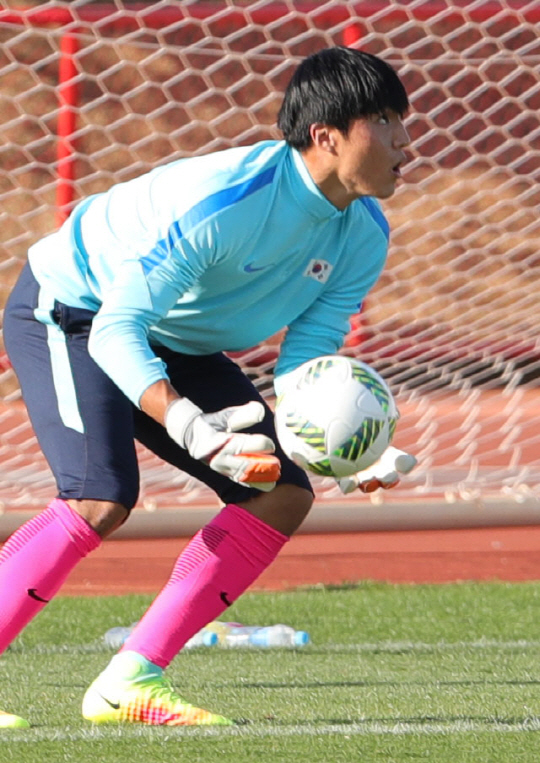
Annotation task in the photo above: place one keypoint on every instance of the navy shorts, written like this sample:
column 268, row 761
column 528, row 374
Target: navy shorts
column 87, row 427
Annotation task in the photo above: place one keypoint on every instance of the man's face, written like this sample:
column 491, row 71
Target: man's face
column 369, row 157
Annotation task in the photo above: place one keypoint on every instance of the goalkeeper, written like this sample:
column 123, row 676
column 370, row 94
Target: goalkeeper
column 117, row 328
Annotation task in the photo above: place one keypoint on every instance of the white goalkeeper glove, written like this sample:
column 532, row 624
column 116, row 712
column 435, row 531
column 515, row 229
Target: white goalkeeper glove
column 209, row 437
column 384, row 473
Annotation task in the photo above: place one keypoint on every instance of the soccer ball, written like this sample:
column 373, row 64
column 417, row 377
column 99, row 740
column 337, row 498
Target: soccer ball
column 337, row 418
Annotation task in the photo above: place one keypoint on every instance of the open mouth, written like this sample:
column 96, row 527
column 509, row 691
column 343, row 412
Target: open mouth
column 396, row 169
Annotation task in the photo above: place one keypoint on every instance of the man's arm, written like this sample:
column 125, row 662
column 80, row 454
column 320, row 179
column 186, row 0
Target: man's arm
column 321, row 330
column 156, row 399
column 119, row 344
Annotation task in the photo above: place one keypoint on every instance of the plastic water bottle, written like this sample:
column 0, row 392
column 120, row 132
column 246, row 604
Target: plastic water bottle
column 222, row 629
column 268, row 636
column 225, row 634
column 278, row 635
column 237, row 635
column 116, row 637
column 202, row 638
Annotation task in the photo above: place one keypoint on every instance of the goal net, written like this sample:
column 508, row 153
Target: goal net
column 94, row 93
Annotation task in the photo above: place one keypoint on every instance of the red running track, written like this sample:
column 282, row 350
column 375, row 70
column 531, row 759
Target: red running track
column 426, row 556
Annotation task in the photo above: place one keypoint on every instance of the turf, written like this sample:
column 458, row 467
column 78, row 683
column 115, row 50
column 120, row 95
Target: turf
column 447, row 673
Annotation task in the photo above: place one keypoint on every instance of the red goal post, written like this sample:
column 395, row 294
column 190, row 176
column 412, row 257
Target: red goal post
column 93, row 93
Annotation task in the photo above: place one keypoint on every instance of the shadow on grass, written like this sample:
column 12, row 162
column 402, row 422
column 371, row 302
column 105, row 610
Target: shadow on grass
column 420, row 720
column 370, row 684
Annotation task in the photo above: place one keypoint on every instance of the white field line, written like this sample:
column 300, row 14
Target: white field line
column 380, row 646
column 423, row 646
column 369, row 728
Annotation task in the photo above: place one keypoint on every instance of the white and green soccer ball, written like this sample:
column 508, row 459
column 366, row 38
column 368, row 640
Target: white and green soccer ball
column 337, row 417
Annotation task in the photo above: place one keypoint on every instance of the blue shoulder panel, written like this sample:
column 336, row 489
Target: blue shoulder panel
column 375, row 212
column 202, row 211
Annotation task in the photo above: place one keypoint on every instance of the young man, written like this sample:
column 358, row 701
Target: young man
column 117, row 329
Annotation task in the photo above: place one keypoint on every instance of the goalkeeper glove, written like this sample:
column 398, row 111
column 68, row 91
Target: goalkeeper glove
column 209, row 437
column 384, row 473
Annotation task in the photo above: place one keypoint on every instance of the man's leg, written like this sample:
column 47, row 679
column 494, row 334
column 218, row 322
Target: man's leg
column 68, row 399
column 230, row 553
column 217, row 566
column 35, row 562
column 220, row 562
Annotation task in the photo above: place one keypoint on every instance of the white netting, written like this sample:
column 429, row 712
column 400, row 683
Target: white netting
column 453, row 323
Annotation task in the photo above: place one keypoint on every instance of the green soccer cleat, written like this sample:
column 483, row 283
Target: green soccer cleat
column 142, row 696
column 9, row 721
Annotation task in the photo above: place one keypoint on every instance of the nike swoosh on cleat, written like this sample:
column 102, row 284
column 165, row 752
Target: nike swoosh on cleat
column 32, row 592
column 114, row 705
column 224, row 596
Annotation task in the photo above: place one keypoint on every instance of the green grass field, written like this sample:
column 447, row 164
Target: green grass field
column 447, row 673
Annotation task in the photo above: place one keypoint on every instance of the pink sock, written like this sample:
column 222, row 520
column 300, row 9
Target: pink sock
column 216, row 567
column 36, row 560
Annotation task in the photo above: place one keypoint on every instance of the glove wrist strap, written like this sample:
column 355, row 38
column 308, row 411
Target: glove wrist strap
column 178, row 419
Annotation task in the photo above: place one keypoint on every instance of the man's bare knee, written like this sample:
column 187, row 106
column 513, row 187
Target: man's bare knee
column 284, row 508
column 103, row 516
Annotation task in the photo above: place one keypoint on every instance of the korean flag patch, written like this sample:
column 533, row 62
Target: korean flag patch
column 319, row 270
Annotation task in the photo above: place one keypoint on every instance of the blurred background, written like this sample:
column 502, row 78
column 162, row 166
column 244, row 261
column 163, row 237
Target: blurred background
column 93, row 93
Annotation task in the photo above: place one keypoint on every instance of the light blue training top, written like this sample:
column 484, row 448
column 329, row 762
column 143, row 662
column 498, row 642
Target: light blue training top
column 213, row 253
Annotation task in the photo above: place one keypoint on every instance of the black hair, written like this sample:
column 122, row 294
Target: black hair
column 335, row 86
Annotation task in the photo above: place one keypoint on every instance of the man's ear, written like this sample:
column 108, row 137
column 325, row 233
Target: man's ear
column 323, row 136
